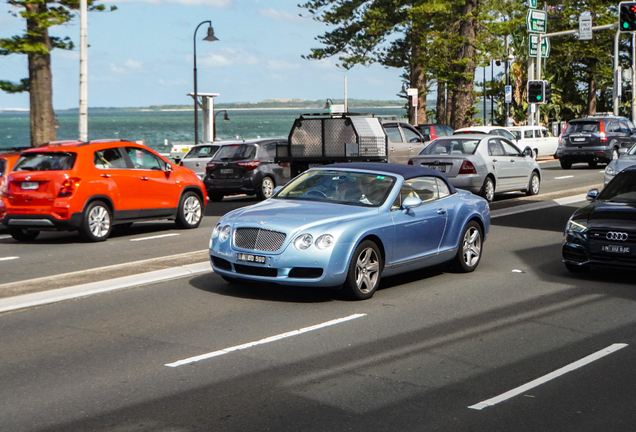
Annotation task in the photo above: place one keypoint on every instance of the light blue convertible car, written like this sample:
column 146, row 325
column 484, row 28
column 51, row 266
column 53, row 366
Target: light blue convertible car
column 346, row 225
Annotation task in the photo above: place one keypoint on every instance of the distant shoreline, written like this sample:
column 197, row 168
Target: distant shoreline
column 217, row 108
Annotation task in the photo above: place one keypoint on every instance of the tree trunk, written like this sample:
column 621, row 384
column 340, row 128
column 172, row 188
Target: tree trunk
column 42, row 116
column 440, row 108
column 591, row 90
column 418, row 80
column 464, row 67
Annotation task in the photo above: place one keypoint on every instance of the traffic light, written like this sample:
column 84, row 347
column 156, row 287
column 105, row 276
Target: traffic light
column 627, row 16
column 536, row 91
column 548, row 92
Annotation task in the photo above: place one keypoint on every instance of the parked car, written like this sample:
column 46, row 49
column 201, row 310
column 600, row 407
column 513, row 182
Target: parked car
column 8, row 158
column 92, row 186
column 617, row 165
column 594, row 139
column 483, row 164
column 198, row 157
column 245, row 167
column 347, row 225
column 492, row 130
column 537, row 138
column 431, row 131
column 179, row 149
column 602, row 232
column 404, row 140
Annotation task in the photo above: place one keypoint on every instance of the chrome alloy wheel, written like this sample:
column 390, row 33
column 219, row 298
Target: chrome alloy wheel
column 471, row 249
column 192, row 210
column 535, row 185
column 367, row 270
column 489, row 189
column 99, row 221
column 267, row 187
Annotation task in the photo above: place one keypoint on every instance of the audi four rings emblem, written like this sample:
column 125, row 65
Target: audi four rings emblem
column 616, row 236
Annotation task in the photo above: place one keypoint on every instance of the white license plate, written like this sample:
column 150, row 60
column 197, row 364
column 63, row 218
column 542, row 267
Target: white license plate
column 227, row 171
column 615, row 249
column 257, row 259
column 440, row 168
column 578, row 139
column 30, row 185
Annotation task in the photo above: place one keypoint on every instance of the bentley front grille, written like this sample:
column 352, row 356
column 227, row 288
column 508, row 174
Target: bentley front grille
column 259, row 239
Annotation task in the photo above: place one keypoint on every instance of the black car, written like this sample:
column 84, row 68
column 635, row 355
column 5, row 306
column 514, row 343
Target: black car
column 245, row 167
column 603, row 232
column 594, row 139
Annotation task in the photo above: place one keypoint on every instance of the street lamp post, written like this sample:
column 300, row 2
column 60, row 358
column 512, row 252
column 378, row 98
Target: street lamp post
column 225, row 118
column 210, row 38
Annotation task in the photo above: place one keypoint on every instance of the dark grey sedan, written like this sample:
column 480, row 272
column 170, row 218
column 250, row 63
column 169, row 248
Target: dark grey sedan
column 482, row 164
column 617, row 165
column 246, row 167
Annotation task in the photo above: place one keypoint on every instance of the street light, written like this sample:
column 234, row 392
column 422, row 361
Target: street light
column 225, row 118
column 328, row 103
column 210, row 38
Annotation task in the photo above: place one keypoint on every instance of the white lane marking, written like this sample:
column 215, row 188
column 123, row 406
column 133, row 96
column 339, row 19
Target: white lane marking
column 557, row 373
column 564, row 177
column 264, row 341
column 155, row 237
column 5, row 237
column 8, row 258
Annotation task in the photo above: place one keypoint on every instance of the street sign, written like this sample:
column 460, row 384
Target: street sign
column 536, row 21
column 508, row 93
column 533, row 41
column 585, row 26
column 532, row 4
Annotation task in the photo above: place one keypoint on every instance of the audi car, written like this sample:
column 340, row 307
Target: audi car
column 603, row 232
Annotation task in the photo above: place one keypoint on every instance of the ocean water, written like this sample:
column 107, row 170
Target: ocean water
column 155, row 127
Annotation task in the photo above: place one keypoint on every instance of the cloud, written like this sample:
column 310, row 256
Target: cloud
column 126, row 67
column 212, row 3
column 279, row 15
column 228, row 57
column 281, row 65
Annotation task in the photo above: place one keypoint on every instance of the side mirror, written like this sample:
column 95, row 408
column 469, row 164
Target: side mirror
column 527, row 151
column 592, row 194
column 622, row 151
column 168, row 167
column 411, row 202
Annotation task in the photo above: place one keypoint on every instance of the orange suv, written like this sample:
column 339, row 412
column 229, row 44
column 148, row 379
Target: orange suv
column 92, row 186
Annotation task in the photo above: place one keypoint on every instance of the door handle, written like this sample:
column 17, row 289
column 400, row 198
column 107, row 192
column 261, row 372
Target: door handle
column 145, row 178
column 441, row 211
column 105, row 175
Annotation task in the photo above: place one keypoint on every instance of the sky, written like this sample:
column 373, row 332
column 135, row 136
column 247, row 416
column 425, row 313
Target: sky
column 143, row 54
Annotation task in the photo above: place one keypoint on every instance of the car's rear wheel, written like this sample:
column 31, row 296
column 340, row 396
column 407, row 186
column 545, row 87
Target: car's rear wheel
column 365, row 270
column 266, row 189
column 21, row 234
column 565, row 164
column 592, row 164
column 470, row 247
column 96, row 222
column 535, row 184
column 488, row 189
column 190, row 212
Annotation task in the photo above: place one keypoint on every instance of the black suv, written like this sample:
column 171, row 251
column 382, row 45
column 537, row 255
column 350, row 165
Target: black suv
column 594, row 139
column 245, row 167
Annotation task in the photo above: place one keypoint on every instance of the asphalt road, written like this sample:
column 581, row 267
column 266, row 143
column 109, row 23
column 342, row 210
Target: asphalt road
column 521, row 344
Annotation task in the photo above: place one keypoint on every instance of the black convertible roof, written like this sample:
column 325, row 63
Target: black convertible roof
column 406, row 171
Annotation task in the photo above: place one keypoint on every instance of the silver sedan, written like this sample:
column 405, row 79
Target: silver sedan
column 483, row 164
column 617, row 165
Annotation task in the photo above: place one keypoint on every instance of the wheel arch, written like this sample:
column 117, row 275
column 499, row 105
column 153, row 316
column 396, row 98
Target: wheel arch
column 105, row 199
column 378, row 242
column 196, row 190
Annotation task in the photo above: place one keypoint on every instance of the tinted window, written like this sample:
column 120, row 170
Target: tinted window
column 611, row 127
column 451, row 146
column 143, row 159
column 621, row 189
column 109, row 159
column 270, row 149
column 3, row 166
column 623, row 127
column 411, row 135
column 393, row 133
column 51, row 161
column 582, row 126
column 545, row 133
column 236, row 152
column 202, row 152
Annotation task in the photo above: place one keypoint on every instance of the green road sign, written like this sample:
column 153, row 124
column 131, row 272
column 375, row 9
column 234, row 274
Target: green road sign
column 536, row 21
column 533, row 40
column 532, row 4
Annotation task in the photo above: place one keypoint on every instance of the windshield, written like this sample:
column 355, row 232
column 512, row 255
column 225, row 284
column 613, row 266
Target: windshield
column 516, row 133
column 202, row 152
column 342, row 187
column 236, row 152
column 51, row 161
column 620, row 190
column 632, row 151
column 582, row 127
column 456, row 146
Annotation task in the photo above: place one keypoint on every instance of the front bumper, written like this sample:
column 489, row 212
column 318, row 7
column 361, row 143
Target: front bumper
column 578, row 250
column 584, row 154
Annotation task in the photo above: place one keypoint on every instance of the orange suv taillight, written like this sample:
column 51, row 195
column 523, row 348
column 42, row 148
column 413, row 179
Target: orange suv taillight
column 603, row 135
column 68, row 187
column 250, row 165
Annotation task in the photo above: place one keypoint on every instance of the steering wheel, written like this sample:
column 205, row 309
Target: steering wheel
column 316, row 192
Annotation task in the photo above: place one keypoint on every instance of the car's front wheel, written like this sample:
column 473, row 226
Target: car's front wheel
column 96, row 222
column 470, row 248
column 266, row 189
column 488, row 189
column 190, row 211
column 535, row 184
column 365, row 270
column 21, row 234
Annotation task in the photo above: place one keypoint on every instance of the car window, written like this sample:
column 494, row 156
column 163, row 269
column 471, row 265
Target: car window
column 3, row 166
column 426, row 130
column 528, row 134
column 270, row 149
column 621, row 189
column 506, row 134
column 494, row 148
column 582, row 126
column 611, row 127
column 517, row 134
column 451, row 146
column 46, row 161
column 545, row 133
column 510, row 149
column 144, row 160
column 411, row 135
column 393, row 133
column 424, row 188
column 442, row 188
column 236, row 152
column 446, row 130
column 202, row 152
column 109, row 159
column 623, row 127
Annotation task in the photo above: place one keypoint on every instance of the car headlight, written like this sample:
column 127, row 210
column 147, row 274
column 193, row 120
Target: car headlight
column 576, row 226
column 216, row 231
column 303, row 241
column 324, row 241
column 610, row 171
column 225, row 233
